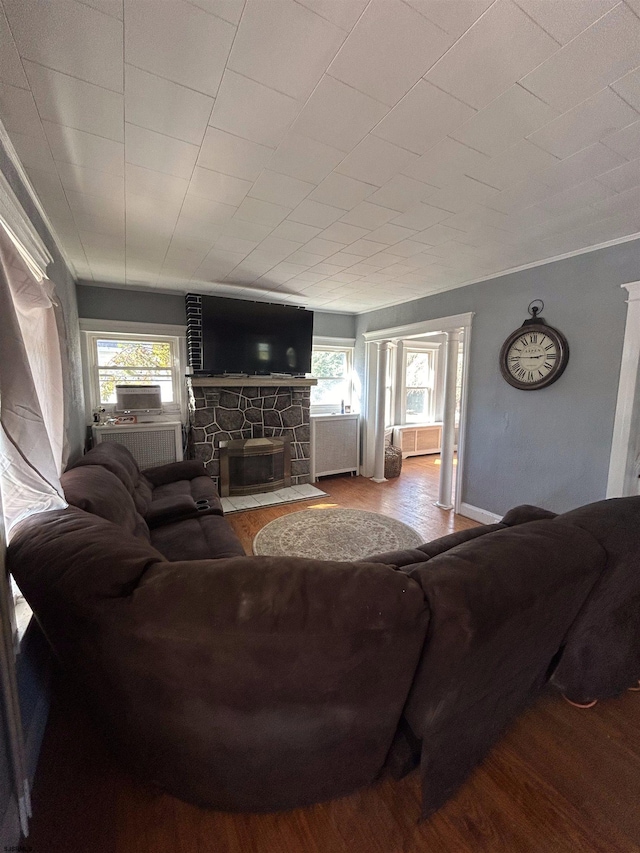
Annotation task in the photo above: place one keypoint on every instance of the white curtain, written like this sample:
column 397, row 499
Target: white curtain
column 31, row 390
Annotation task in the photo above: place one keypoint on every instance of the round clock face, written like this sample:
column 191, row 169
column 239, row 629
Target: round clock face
column 534, row 356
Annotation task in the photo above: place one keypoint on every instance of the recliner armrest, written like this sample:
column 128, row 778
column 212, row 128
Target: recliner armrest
column 163, row 474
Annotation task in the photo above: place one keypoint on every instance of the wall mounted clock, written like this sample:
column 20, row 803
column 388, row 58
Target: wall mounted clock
column 535, row 355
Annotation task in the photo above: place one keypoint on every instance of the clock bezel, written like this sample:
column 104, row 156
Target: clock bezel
column 561, row 362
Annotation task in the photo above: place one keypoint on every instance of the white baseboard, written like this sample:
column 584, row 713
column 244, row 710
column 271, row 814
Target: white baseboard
column 477, row 514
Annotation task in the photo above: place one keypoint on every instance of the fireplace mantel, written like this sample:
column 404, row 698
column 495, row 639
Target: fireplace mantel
column 250, row 382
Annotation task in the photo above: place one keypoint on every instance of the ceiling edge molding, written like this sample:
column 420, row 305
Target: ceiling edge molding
column 617, row 242
column 15, row 161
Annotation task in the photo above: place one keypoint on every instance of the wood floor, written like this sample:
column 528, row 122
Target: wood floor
column 561, row 780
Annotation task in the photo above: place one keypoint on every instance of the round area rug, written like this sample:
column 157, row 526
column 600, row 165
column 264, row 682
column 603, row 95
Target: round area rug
column 333, row 534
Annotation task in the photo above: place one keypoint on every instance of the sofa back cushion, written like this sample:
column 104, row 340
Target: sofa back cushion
column 116, row 459
column 96, row 490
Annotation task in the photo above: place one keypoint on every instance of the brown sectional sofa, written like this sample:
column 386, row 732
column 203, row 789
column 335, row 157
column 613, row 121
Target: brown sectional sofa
column 256, row 683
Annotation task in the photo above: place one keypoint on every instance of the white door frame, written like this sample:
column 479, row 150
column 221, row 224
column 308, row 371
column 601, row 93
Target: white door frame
column 623, row 473
column 394, row 334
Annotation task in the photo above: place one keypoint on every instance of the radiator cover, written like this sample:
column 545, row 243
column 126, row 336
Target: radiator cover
column 149, row 444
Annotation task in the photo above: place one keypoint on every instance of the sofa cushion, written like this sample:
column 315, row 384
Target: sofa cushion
column 524, row 513
column 410, row 556
column 197, row 489
column 185, row 470
column 116, row 459
column 96, row 490
column 253, row 683
column 201, row 538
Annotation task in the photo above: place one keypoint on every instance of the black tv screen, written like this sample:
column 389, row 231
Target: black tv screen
column 255, row 337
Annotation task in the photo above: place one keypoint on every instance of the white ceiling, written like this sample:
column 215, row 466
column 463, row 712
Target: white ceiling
column 340, row 154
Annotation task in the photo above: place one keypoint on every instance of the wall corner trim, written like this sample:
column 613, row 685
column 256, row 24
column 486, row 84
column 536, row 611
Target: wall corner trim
column 477, row 514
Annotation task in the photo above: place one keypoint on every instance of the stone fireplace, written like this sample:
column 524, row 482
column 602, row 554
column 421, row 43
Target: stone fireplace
column 223, row 410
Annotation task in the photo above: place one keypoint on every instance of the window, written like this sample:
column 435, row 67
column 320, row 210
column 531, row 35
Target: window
column 420, row 380
column 331, row 366
column 119, row 358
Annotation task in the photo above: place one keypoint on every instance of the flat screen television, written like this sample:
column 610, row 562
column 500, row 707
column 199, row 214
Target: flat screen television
column 255, row 337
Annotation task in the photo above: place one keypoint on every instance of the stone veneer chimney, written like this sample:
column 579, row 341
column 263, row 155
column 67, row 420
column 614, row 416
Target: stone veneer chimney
column 234, row 412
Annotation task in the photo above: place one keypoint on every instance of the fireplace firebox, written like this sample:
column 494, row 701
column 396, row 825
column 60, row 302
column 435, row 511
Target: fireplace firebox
column 253, row 465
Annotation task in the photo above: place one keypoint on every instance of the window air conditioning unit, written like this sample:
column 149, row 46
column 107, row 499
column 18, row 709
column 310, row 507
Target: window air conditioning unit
column 139, row 398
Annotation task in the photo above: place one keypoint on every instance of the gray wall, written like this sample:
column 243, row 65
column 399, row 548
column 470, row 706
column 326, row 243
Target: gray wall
column 549, row 447
column 147, row 306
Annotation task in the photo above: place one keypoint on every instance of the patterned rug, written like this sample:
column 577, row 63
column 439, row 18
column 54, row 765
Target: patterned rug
column 333, row 534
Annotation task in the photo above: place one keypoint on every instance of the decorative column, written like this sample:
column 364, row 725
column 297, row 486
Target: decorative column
column 381, row 388
column 448, row 421
column 623, row 463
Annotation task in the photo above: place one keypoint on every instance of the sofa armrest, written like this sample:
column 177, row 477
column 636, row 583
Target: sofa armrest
column 163, row 474
column 168, row 510
column 501, row 608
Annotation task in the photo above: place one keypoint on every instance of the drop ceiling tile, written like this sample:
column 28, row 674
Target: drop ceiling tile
column 595, row 58
column 178, row 41
column 341, row 191
column 64, row 100
column 343, row 233
column 626, row 141
column 34, row 152
column 564, row 21
column 327, row 269
column 228, row 10
column 295, row 231
column 513, row 165
column 591, row 121
column 262, row 212
column 49, row 190
column 280, row 189
column 218, row 187
column 423, row 117
column 250, row 110
column 284, row 46
column 69, row 37
column 343, row 260
column 436, row 235
column 477, row 214
column 343, row 15
column 401, row 192
column 314, row 213
column 162, row 153
column 460, row 193
column 476, row 71
column 18, row 111
column 628, row 88
column 98, row 213
column 304, row 158
column 84, row 149
column 375, row 161
column 366, row 248
column 217, row 265
column 338, row 115
column 203, row 209
column 522, row 194
column 148, row 221
column 307, row 259
column 420, row 216
column 623, row 177
column 230, row 155
column 635, row 5
column 323, row 247
column 514, row 114
column 11, row 70
column 250, row 231
column 90, row 181
column 388, row 51
column 408, row 248
column 391, row 234
column 278, row 248
column 284, row 271
column 147, row 182
column 166, row 107
column 109, row 7
column 578, row 197
column 453, row 16
column 588, row 163
column 445, row 162
column 367, row 215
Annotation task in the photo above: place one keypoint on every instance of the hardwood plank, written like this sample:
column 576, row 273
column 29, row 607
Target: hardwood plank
column 560, row 780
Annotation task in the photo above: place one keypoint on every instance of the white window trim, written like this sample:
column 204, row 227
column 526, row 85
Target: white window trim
column 418, row 346
column 93, row 329
column 335, row 345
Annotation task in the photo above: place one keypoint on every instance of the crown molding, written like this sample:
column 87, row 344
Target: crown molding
column 12, row 155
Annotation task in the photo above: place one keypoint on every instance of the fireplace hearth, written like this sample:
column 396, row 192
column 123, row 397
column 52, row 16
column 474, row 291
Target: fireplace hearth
column 254, row 465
